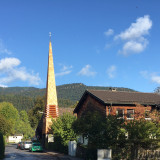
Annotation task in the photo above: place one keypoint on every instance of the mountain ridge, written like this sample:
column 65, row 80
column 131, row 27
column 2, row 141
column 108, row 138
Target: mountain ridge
column 68, row 94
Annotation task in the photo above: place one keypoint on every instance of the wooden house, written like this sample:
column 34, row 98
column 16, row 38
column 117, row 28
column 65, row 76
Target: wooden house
column 126, row 105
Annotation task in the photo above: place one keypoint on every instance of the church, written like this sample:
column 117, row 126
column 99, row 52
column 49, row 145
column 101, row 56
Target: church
column 51, row 106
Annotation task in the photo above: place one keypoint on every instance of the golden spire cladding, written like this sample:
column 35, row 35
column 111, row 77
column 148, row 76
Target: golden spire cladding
column 51, row 108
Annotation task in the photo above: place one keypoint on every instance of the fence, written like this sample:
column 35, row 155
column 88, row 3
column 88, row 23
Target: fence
column 149, row 154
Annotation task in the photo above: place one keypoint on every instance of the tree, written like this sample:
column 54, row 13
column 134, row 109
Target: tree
column 12, row 122
column 125, row 138
column 74, row 105
column 101, row 132
column 142, row 134
column 62, row 130
column 8, row 110
column 5, row 125
column 10, row 113
column 35, row 114
column 157, row 90
column 23, row 126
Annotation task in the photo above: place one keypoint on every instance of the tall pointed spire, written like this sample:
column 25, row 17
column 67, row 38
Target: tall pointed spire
column 51, row 108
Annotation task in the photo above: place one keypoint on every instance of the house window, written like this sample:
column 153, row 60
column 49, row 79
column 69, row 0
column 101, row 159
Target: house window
column 147, row 115
column 130, row 113
column 120, row 113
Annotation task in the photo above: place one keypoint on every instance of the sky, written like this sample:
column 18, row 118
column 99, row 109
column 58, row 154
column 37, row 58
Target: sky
column 95, row 42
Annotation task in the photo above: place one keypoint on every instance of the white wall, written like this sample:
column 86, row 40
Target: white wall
column 15, row 138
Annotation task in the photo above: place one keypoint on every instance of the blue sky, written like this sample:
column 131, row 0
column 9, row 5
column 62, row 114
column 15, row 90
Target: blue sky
column 95, row 42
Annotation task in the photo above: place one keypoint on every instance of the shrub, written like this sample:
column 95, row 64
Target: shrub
column 63, row 132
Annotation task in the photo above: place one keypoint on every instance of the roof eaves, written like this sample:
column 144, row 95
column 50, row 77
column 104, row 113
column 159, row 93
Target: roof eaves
column 129, row 102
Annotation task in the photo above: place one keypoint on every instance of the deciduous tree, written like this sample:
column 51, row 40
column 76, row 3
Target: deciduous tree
column 10, row 113
column 62, row 129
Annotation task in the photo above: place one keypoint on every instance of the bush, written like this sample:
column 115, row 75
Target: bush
column 86, row 153
column 58, row 147
column 2, row 146
column 63, row 132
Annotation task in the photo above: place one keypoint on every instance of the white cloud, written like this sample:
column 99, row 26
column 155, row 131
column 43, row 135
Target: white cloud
column 64, row 70
column 3, row 49
column 109, row 32
column 62, row 73
column 3, row 86
column 155, row 79
column 10, row 71
column 86, row 71
column 136, row 30
column 111, row 71
column 8, row 63
column 152, row 76
column 133, row 37
column 133, row 47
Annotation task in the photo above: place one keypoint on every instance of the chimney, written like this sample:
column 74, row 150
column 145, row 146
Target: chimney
column 112, row 89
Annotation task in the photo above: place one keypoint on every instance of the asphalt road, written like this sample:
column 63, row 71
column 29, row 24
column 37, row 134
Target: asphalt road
column 12, row 153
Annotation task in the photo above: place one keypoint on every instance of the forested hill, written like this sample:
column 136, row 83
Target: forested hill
column 23, row 98
column 74, row 91
column 23, row 91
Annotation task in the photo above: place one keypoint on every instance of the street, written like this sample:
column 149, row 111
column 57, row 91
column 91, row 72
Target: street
column 12, row 153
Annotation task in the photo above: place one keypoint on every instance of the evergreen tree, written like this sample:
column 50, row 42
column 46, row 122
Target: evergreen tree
column 35, row 113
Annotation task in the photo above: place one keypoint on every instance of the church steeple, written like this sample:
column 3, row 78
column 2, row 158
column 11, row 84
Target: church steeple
column 51, row 94
column 51, row 107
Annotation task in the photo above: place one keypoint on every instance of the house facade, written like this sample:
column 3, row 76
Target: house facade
column 15, row 138
column 126, row 105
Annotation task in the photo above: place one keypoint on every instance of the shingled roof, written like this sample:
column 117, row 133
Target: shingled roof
column 121, row 97
column 127, row 97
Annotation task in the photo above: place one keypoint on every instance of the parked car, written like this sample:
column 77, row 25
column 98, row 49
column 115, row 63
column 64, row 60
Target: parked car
column 21, row 145
column 36, row 146
column 27, row 145
column 18, row 145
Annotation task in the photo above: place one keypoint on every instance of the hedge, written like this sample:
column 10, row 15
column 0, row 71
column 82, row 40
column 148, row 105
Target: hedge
column 2, row 146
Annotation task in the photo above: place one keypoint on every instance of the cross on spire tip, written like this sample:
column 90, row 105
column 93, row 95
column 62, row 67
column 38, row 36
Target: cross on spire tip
column 50, row 34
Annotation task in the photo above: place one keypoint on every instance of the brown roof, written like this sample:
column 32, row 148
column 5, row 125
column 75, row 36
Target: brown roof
column 121, row 97
column 127, row 97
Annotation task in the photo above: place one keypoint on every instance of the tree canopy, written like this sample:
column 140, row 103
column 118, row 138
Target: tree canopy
column 125, row 138
column 63, row 132
column 5, row 125
column 23, row 126
column 13, row 122
column 35, row 113
column 100, row 131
